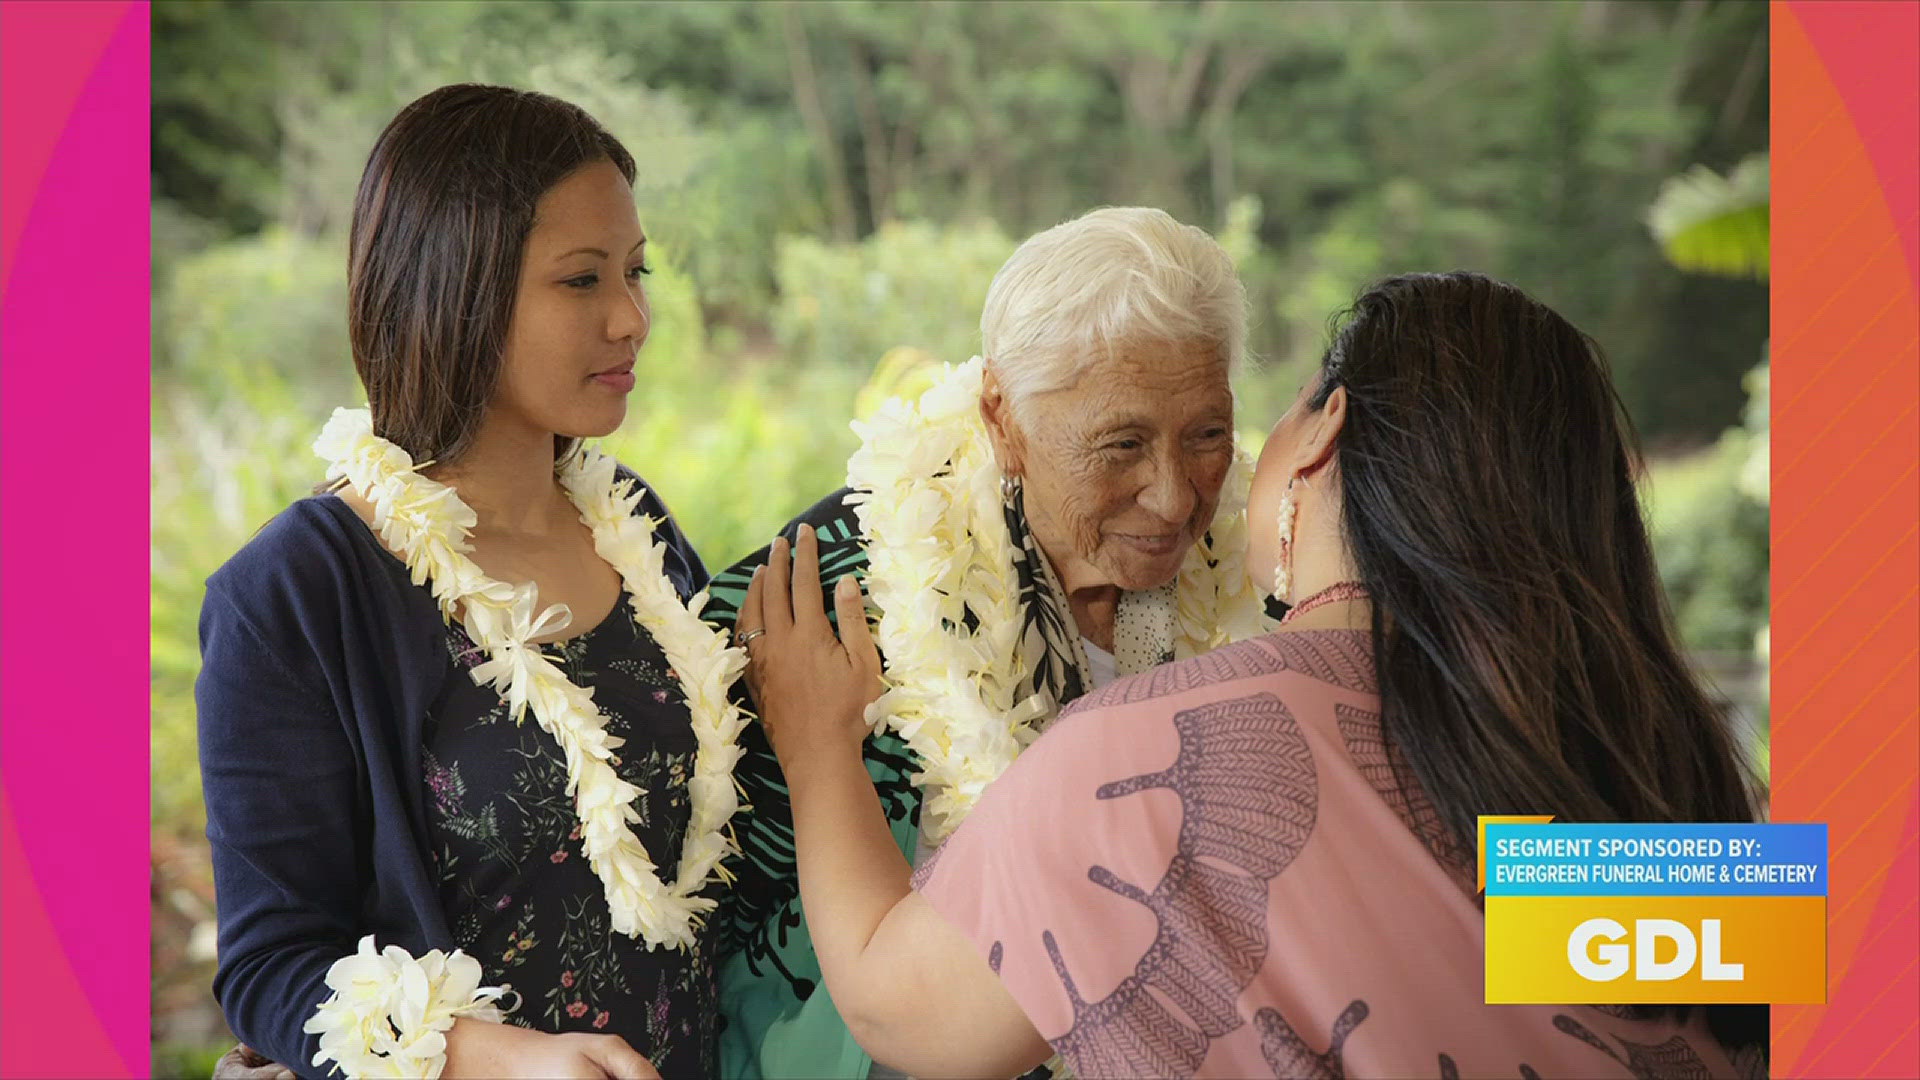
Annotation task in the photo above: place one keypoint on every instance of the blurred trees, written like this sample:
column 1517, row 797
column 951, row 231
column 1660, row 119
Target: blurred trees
column 1712, row 539
column 1711, row 521
column 1518, row 139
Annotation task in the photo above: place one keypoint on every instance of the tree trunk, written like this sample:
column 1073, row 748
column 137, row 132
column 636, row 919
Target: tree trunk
column 813, row 114
column 873, row 138
column 1238, row 70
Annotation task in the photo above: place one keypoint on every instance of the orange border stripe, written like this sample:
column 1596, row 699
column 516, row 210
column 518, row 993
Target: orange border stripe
column 1846, row 496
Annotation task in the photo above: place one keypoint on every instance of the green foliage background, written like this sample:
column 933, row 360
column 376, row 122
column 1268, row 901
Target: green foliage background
column 827, row 183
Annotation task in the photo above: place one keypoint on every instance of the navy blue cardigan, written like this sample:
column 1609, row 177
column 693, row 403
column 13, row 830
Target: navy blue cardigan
column 320, row 662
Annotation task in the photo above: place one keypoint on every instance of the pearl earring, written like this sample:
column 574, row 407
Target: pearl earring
column 1283, row 570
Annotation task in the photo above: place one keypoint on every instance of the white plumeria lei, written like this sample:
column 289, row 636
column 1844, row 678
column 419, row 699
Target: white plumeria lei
column 389, row 1013
column 427, row 525
column 927, row 493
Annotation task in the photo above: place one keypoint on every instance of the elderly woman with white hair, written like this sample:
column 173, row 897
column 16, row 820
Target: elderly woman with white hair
column 1063, row 510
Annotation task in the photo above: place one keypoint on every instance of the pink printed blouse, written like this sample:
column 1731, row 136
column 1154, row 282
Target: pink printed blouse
column 1214, row 869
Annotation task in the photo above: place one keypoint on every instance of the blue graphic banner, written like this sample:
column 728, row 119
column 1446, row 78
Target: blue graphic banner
column 1554, row 859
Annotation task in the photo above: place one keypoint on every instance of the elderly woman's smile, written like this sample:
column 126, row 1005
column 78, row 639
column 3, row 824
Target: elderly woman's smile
column 1122, row 470
column 1110, row 343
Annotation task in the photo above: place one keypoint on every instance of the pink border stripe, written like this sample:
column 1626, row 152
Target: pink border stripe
column 1882, row 95
column 1869, row 50
column 40, row 85
column 40, row 993
column 1873, row 1024
column 74, row 629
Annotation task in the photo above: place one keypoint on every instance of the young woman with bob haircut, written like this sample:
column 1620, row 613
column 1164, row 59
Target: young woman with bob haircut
column 466, row 743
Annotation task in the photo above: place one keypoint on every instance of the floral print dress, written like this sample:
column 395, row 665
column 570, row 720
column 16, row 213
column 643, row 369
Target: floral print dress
column 514, row 880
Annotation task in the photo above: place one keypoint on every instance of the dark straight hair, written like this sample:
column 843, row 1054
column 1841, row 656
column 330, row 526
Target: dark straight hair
column 1526, row 657
column 440, row 223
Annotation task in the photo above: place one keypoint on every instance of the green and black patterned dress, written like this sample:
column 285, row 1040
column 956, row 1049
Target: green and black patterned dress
column 779, row 1020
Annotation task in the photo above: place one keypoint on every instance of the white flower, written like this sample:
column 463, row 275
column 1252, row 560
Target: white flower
column 388, row 1013
column 955, row 397
column 427, row 525
column 927, row 497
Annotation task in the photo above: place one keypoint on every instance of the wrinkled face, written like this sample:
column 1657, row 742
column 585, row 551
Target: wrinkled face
column 1123, row 469
column 580, row 313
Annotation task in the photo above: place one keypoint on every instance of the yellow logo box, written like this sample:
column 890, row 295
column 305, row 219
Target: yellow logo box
column 1650, row 950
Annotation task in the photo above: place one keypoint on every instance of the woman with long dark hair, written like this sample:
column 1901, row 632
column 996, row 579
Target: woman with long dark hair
column 1259, row 861
column 466, row 743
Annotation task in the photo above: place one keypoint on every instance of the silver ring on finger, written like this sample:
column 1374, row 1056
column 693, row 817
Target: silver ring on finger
column 747, row 637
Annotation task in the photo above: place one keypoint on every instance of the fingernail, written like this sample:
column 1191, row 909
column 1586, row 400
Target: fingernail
column 846, row 583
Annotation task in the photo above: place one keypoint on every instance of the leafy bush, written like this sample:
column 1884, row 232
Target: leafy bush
column 275, row 301
column 1710, row 539
column 1709, row 518
column 737, row 458
column 911, row 283
column 175, row 1059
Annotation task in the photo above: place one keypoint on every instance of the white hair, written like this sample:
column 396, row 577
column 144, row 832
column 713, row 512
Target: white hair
column 1068, row 296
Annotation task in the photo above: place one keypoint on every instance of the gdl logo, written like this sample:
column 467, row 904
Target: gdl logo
column 1597, row 951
